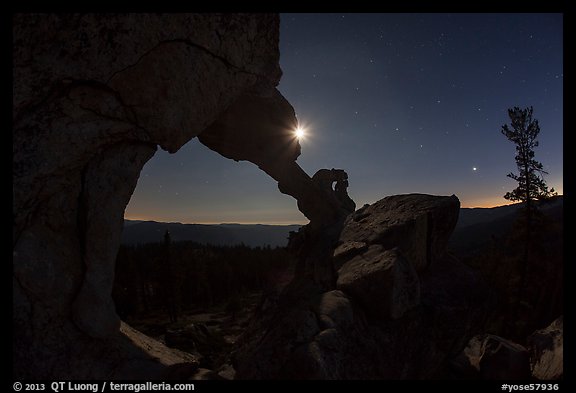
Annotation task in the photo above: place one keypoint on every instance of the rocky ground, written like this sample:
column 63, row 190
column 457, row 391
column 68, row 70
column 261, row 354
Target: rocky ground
column 208, row 334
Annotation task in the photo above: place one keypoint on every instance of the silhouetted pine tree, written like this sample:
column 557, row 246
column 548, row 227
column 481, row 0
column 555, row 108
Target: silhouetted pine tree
column 523, row 132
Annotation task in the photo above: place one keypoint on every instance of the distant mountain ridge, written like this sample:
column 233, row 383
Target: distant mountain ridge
column 253, row 235
column 477, row 226
column 474, row 229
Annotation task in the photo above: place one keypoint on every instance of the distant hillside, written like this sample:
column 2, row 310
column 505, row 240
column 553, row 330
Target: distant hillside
column 477, row 226
column 128, row 223
column 474, row 229
column 222, row 235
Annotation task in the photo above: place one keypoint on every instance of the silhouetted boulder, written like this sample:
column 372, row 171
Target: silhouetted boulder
column 546, row 348
column 419, row 225
column 402, row 308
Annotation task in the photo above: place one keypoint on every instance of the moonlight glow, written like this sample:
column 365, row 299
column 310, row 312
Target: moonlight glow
column 299, row 133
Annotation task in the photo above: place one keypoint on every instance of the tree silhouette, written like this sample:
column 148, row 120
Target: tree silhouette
column 523, row 132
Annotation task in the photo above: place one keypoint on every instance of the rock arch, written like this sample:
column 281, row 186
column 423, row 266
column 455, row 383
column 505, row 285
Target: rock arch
column 94, row 95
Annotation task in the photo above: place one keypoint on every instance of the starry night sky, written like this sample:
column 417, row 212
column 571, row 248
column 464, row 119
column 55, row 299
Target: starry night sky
column 403, row 102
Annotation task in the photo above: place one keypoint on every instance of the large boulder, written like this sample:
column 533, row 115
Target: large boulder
column 400, row 307
column 418, row 224
column 546, row 348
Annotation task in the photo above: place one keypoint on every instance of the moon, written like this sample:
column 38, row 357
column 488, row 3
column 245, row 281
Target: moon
column 300, row 133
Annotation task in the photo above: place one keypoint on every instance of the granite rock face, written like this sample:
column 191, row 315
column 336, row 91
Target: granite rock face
column 93, row 97
column 383, row 281
column 419, row 225
column 400, row 306
column 546, row 347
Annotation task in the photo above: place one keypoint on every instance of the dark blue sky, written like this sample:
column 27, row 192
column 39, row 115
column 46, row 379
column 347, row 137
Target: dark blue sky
column 403, row 102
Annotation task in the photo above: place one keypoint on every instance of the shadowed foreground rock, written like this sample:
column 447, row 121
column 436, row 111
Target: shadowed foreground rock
column 546, row 348
column 401, row 307
column 492, row 357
